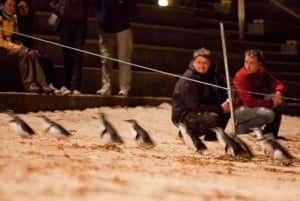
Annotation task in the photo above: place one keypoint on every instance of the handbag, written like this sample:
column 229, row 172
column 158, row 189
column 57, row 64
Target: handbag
column 57, row 7
column 54, row 20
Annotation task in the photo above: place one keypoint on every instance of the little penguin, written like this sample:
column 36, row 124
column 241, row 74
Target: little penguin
column 19, row 125
column 54, row 128
column 192, row 141
column 233, row 144
column 271, row 147
column 140, row 135
column 109, row 133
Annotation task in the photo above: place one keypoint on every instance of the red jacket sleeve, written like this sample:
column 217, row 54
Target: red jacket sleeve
column 245, row 84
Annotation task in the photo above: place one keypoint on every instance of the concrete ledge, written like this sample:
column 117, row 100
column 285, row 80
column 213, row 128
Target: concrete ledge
column 28, row 102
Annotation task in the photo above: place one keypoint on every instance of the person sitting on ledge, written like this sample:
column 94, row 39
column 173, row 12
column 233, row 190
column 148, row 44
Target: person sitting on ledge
column 31, row 72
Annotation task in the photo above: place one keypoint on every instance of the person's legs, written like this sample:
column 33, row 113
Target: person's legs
column 65, row 33
column 249, row 118
column 200, row 123
column 273, row 127
column 211, row 135
column 79, row 35
column 25, row 68
column 106, row 45
column 125, row 46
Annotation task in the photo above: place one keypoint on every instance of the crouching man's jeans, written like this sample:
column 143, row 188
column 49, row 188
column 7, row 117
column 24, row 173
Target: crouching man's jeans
column 248, row 118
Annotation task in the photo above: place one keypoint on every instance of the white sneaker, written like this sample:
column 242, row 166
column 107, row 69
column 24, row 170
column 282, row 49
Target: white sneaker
column 76, row 92
column 123, row 92
column 64, row 90
column 55, row 90
column 104, row 92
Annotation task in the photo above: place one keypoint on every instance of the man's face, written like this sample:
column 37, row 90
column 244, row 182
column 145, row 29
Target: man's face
column 201, row 64
column 251, row 64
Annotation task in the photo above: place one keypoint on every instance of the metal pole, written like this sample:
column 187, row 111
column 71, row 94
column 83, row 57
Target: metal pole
column 227, row 77
column 241, row 18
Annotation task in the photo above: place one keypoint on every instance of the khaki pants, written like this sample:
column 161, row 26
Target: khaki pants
column 28, row 66
column 123, row 41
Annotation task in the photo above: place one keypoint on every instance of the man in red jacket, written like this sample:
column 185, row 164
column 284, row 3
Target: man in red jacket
column 253, row 109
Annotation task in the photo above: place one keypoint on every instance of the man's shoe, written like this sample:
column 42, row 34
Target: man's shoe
column 123, row 92
column 64, row 90
column 104, row 92
column 76, row 92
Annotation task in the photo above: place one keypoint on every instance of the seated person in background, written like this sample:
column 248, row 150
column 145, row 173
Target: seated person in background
column 31, row 72
column 25, row 17
column 201, row 106
column 252, row 108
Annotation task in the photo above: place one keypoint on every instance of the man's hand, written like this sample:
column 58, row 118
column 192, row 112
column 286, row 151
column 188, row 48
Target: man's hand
column 277, row 98
column 226, row 106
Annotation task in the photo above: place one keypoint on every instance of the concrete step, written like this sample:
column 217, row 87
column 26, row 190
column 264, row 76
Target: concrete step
column 149, row 34
column 27, row 102
column 166, row 58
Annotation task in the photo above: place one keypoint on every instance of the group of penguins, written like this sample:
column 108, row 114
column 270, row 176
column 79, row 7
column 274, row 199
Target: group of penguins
column 235, row 146
column 108, row 133
column 232, row 144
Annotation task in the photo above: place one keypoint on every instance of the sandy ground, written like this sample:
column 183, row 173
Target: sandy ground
column 84, row 168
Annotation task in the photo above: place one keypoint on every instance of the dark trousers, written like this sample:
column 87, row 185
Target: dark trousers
column 273, row 127
column 200, row 123
column 49, row 69
column 73, row 34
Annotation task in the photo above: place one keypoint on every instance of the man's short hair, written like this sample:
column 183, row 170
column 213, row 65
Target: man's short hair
column 203, row 52
column 255, row 53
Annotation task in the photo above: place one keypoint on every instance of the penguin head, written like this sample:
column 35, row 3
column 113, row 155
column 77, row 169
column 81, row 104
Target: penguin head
column 131, row 121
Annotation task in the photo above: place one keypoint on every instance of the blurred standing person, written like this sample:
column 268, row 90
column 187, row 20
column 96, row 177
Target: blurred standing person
column 256, row 110
column 31, row 72
column 114, row 17
column 72, row 30
column 25, row 16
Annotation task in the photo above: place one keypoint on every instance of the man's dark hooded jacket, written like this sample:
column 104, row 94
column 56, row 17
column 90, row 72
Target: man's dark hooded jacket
column 190, row 96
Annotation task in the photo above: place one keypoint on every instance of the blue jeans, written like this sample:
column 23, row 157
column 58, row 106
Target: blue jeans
column 73, row 34
column 249, row 118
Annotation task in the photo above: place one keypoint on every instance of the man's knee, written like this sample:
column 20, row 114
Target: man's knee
column 201, row 123
column 267, row 114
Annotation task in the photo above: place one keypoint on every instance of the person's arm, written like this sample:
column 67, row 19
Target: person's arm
column 243, row 90
column 7, row 44
column 277, row 86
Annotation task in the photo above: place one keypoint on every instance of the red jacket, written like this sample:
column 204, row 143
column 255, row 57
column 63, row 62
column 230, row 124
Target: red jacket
column 260, row 82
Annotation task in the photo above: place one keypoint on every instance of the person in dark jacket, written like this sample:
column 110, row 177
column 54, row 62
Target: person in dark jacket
column 252, row 108
column 114, row 17
column 72, row 30
column 201, row 106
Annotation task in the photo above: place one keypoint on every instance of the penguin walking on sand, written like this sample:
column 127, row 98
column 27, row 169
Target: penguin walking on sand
column 109, row 133
column 54, row 128
column 232, row 144
column 192, row 141
column 19, row 125
column 140, row 135
column 271, row 147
